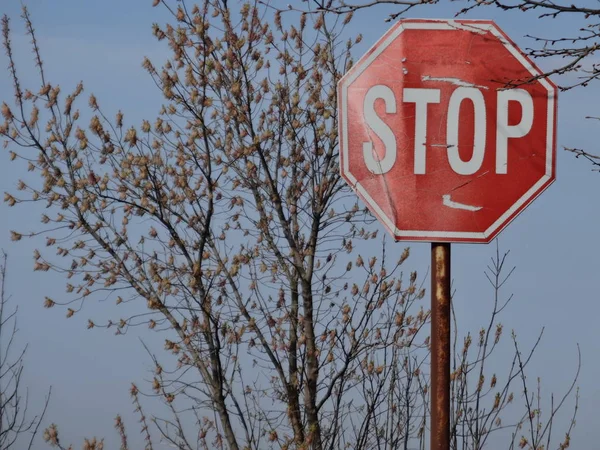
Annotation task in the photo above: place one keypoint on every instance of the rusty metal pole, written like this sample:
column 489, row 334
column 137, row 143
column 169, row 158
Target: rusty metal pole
column 440, row 346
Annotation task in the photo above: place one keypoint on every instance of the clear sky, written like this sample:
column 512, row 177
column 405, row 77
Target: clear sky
column 554, row 243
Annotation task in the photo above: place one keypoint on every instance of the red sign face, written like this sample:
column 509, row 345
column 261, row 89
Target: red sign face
column 437, row 137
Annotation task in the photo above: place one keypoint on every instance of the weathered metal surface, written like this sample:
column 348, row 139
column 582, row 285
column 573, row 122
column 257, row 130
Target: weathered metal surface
column 440, row 346
column 434, row 138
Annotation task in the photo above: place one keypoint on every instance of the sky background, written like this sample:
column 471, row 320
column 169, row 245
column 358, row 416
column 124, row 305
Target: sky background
column 554, row 243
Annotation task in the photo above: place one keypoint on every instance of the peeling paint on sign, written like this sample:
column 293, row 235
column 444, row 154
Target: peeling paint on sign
column 454, row 81
column 446, row 201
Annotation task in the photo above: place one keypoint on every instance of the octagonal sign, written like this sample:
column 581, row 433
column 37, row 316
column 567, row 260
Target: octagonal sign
column 447, row 130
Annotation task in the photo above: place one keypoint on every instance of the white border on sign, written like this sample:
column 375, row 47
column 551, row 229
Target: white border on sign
column 449, row 24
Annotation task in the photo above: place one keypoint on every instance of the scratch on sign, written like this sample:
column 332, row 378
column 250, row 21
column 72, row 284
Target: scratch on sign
column 466, row 27
column 446, row 201
column 455, row 81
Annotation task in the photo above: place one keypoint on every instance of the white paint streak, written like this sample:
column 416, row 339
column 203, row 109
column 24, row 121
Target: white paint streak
column 455, row 81
column 446, row 201
column 466, row 27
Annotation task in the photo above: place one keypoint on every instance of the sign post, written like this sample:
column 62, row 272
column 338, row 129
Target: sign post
column 447, row 132
column 440, row 346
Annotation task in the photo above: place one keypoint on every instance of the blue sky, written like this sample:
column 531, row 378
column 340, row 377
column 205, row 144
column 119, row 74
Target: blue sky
column 553, row 243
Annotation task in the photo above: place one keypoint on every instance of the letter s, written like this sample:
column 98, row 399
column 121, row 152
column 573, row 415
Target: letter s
column 376, row 165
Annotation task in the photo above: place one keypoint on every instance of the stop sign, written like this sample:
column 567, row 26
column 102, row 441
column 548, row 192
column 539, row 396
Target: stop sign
column 441, row 136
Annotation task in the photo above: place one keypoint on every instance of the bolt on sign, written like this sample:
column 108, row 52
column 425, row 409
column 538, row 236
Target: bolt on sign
column 447, row 130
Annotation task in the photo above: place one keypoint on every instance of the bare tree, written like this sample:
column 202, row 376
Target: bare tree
column 481, row 398
column 17, row 428
column 226, row 221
